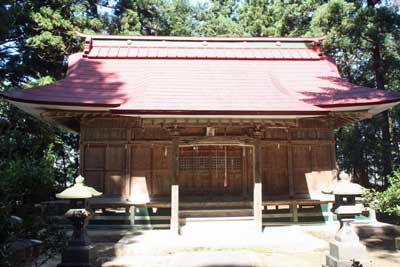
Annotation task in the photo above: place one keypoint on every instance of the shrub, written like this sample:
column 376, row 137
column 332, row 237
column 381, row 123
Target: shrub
column 388, row 201
column 24, row 184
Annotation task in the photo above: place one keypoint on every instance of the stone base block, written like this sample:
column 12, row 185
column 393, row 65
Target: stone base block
column 333, row 262
column 79, row 256
column 347, row 251
column 397, row 243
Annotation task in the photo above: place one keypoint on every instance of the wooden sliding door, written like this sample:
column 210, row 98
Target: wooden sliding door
column 212, row 170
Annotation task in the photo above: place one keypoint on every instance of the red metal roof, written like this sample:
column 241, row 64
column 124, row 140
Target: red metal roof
column 183, row 78
column 202, row 53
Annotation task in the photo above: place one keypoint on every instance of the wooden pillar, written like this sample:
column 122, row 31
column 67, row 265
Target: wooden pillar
column 290, row 162
column 333, row 156
column 290, row 169
column 175, row 209
column 295, row 212
column 82, row 149
column 128, row 151
column 257, row 202
column 330, row 213
column 174, row 189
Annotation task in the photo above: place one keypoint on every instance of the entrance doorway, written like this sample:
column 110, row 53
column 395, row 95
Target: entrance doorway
column 215, row 172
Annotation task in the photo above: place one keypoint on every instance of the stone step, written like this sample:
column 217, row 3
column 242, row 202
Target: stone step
column 114, row 219
column 218, row 227
column 110, row 226
column 107, row 235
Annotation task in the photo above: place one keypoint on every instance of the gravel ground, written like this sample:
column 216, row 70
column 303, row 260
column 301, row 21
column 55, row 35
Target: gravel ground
column 300, row 246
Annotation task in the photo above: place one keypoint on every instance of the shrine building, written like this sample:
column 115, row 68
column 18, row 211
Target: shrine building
column 206, row 126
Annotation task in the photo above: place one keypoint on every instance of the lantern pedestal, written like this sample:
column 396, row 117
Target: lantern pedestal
column 79, row 252
column 346, row 250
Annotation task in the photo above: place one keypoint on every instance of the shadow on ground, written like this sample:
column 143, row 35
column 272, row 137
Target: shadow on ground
column 378, row 237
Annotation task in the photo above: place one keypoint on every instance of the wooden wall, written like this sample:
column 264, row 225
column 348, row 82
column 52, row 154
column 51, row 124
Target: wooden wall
column 114, row 150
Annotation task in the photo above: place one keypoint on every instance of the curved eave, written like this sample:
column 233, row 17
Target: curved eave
column 372, row 107
column 244, row 114
column 36, row 109
column 56, row 103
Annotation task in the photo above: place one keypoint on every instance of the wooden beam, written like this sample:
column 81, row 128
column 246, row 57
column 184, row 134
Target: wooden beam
column 70, row 114
column 206, row 122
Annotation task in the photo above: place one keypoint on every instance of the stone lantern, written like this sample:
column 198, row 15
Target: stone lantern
column 79, row 252
column 346, row 250
column 345, row 192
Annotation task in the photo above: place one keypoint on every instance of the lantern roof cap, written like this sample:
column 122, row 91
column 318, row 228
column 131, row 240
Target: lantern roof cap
column 78, row 191
column 345, row 187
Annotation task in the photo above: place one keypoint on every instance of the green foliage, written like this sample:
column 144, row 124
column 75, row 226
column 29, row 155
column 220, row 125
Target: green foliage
column 185, row 23
column 363, row 39
column 277, row 18
column 145, row 17
column 387, row 201
column 25, row 181
column 219, row 19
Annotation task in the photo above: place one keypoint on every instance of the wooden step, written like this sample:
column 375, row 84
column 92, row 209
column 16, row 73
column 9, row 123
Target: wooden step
column 221, row 204
column 235, row 212
column 216, row 219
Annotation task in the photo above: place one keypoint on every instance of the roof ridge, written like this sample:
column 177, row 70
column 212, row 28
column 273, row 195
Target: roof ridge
column 201, row 38
column 210, row 48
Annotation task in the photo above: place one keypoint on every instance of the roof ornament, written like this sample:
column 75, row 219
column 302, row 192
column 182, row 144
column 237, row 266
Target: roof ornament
column 204, row 43
column 88, row 46
column 278, row 43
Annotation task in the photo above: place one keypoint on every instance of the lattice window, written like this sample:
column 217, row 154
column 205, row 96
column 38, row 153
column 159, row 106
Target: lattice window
column 202, row 163
column 185, row 163
column 234, row 164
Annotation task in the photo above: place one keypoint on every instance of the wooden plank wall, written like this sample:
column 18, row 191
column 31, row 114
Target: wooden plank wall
column 153, row 161
column 104, row 168
column 115, row 150
column 274, row 164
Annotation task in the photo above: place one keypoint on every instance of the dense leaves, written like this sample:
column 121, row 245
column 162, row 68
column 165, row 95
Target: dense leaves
column 388, row 201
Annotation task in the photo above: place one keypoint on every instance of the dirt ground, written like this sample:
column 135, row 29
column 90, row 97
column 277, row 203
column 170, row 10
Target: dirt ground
column 300, row 246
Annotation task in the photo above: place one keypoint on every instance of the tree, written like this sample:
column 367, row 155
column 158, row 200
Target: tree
column 182, row 18
column 219, row 19
column 387, row 201
column 363, row 38
column 145, row 17
column 277, row 18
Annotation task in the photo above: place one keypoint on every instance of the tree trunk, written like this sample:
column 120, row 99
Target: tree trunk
column 379, row 73
column 361, row 166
